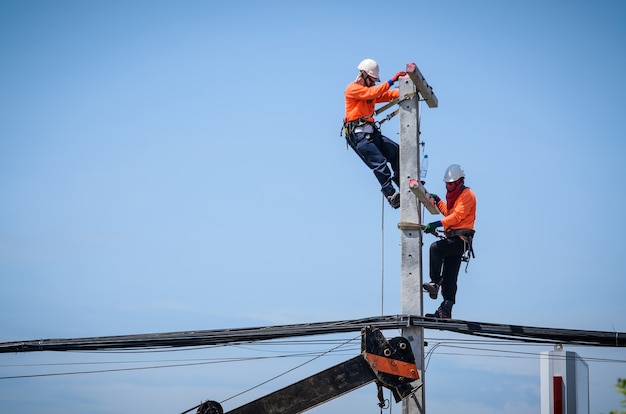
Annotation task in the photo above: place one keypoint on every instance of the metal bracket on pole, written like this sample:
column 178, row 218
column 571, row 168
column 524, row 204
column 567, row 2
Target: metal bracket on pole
column 408, row 225
column 422, row 86
column 422, row 194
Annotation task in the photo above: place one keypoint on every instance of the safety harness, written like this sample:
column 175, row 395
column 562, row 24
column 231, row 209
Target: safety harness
column 392, row 103
column 349, row 126
column 467, row 235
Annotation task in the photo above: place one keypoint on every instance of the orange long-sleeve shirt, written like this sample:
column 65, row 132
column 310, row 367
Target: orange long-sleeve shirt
column 462, row 215
column 361, row 100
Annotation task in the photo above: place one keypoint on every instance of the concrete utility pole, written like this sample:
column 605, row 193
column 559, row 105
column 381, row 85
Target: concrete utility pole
column 410, row 218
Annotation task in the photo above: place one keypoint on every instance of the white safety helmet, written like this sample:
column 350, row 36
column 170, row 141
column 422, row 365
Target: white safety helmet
column 370, row 67
column 453, row 173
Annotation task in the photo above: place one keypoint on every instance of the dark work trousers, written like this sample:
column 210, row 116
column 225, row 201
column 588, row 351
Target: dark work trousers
column 445, row 262
column 377, row 151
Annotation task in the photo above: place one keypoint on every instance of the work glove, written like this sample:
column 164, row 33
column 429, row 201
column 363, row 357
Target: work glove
column 432, row 227
column 397, row 76
column 435, row 197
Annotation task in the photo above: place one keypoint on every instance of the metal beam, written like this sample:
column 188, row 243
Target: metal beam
column 422, row 86
column 422, row 194
column 313, row 391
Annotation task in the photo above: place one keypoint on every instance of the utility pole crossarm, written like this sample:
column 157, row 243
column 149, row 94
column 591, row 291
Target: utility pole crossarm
column 422, row 86
column 422, row 194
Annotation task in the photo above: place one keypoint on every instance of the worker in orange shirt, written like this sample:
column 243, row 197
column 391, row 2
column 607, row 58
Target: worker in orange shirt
column 376, row 150
column 446, row 254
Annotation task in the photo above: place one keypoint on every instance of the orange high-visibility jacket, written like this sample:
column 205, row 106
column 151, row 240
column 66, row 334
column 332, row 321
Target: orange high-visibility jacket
column 360, row 100
column 462, row 215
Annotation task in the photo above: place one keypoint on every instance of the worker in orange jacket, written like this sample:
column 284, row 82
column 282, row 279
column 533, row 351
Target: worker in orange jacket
column 446, row 254
column 363, row 135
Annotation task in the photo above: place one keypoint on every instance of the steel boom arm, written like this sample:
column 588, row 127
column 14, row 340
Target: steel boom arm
column 390, row 363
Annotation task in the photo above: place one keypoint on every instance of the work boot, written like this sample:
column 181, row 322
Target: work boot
column 432, row 289
column 444, row 311
column 394, row 200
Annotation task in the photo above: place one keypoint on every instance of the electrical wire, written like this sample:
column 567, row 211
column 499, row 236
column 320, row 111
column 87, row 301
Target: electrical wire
column 340, row 349
column 459, row 347
column 249, row 335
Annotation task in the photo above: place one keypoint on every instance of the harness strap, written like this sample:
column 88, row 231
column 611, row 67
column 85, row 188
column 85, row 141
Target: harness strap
column 389, row 116
column 467, row 235
column 394, row 102
column 348, row 126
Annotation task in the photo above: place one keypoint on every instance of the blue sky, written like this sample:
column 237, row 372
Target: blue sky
column 172, row 166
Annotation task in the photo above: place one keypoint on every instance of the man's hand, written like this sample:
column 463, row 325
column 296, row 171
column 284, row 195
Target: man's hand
column 397, row 76
column 435, row 197
column 432, row 227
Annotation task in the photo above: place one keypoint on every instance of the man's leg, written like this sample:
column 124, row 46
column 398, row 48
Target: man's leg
column 450, row 273
column 443, row 254
column 451, row 266
column 372, row 156
column 454, row 248
column 437, row 255
column 391, row 150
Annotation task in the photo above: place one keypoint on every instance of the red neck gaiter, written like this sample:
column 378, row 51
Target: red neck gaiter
column 451, row 196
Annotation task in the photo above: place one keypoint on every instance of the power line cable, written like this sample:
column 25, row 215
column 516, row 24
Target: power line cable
column 247, row 335
column 341, row 348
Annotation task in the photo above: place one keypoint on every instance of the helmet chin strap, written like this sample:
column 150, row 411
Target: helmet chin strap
column 362, row 77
